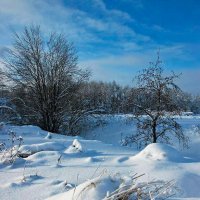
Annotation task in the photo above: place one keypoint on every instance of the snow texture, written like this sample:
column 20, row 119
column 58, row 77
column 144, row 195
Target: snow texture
column 56, row 166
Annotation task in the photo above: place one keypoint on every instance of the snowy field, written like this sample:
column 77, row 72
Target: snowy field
column 95, row 165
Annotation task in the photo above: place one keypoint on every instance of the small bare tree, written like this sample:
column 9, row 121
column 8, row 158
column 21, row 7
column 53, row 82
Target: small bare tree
column 155, row 106
column 46, row 71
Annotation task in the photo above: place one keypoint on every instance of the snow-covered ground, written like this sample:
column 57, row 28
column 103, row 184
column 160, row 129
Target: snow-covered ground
column 61, row 168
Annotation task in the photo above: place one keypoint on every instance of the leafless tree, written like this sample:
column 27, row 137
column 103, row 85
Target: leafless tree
column 7, row 110
column 46, row 70
column 155, row 106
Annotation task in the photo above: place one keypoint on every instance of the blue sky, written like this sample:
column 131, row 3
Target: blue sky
column 117, row 38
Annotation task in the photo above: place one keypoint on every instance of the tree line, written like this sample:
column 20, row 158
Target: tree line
column 41, row 83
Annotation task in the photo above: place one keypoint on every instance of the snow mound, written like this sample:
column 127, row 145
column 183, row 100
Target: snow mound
column 43, row 155
column 76, row 147
column 96, row 188
column 47, row 146
column 43, row 158
column 157, row 151
column 48, row 136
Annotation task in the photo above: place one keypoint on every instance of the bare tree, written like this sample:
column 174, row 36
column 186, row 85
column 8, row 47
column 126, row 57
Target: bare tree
column 155, row 106
column 7, row 110
column 46, row 70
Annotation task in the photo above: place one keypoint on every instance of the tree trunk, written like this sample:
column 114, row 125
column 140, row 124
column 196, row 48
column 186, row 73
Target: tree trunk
column 154, row 134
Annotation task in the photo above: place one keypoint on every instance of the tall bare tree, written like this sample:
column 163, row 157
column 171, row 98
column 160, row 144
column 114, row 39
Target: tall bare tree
column 155, row 105
column 46, row 70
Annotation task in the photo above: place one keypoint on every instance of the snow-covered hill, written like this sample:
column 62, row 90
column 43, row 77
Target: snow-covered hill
column 61, row 167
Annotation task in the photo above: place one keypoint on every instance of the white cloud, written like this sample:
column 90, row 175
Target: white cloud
column 189, row 80
column 83, row 29
column 78, row 25
column 123, row 67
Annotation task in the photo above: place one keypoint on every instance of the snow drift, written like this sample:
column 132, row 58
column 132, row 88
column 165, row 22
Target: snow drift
column 157, row 151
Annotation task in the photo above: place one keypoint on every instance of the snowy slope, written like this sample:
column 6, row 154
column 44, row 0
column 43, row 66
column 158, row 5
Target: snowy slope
column 59, row 163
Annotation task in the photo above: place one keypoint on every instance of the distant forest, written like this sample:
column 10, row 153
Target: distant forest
column 42, row 84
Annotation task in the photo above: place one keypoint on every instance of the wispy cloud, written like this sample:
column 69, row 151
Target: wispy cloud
column 78, row 24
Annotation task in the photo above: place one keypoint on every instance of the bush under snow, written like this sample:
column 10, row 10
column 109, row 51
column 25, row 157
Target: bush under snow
column 76, row 147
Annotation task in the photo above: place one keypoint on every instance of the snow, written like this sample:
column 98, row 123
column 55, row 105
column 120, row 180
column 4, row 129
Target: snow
column 61, row 167
column 76, row 147
column 46, row 146
column 96, row 188
column 158, row 152
column 49, row 136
